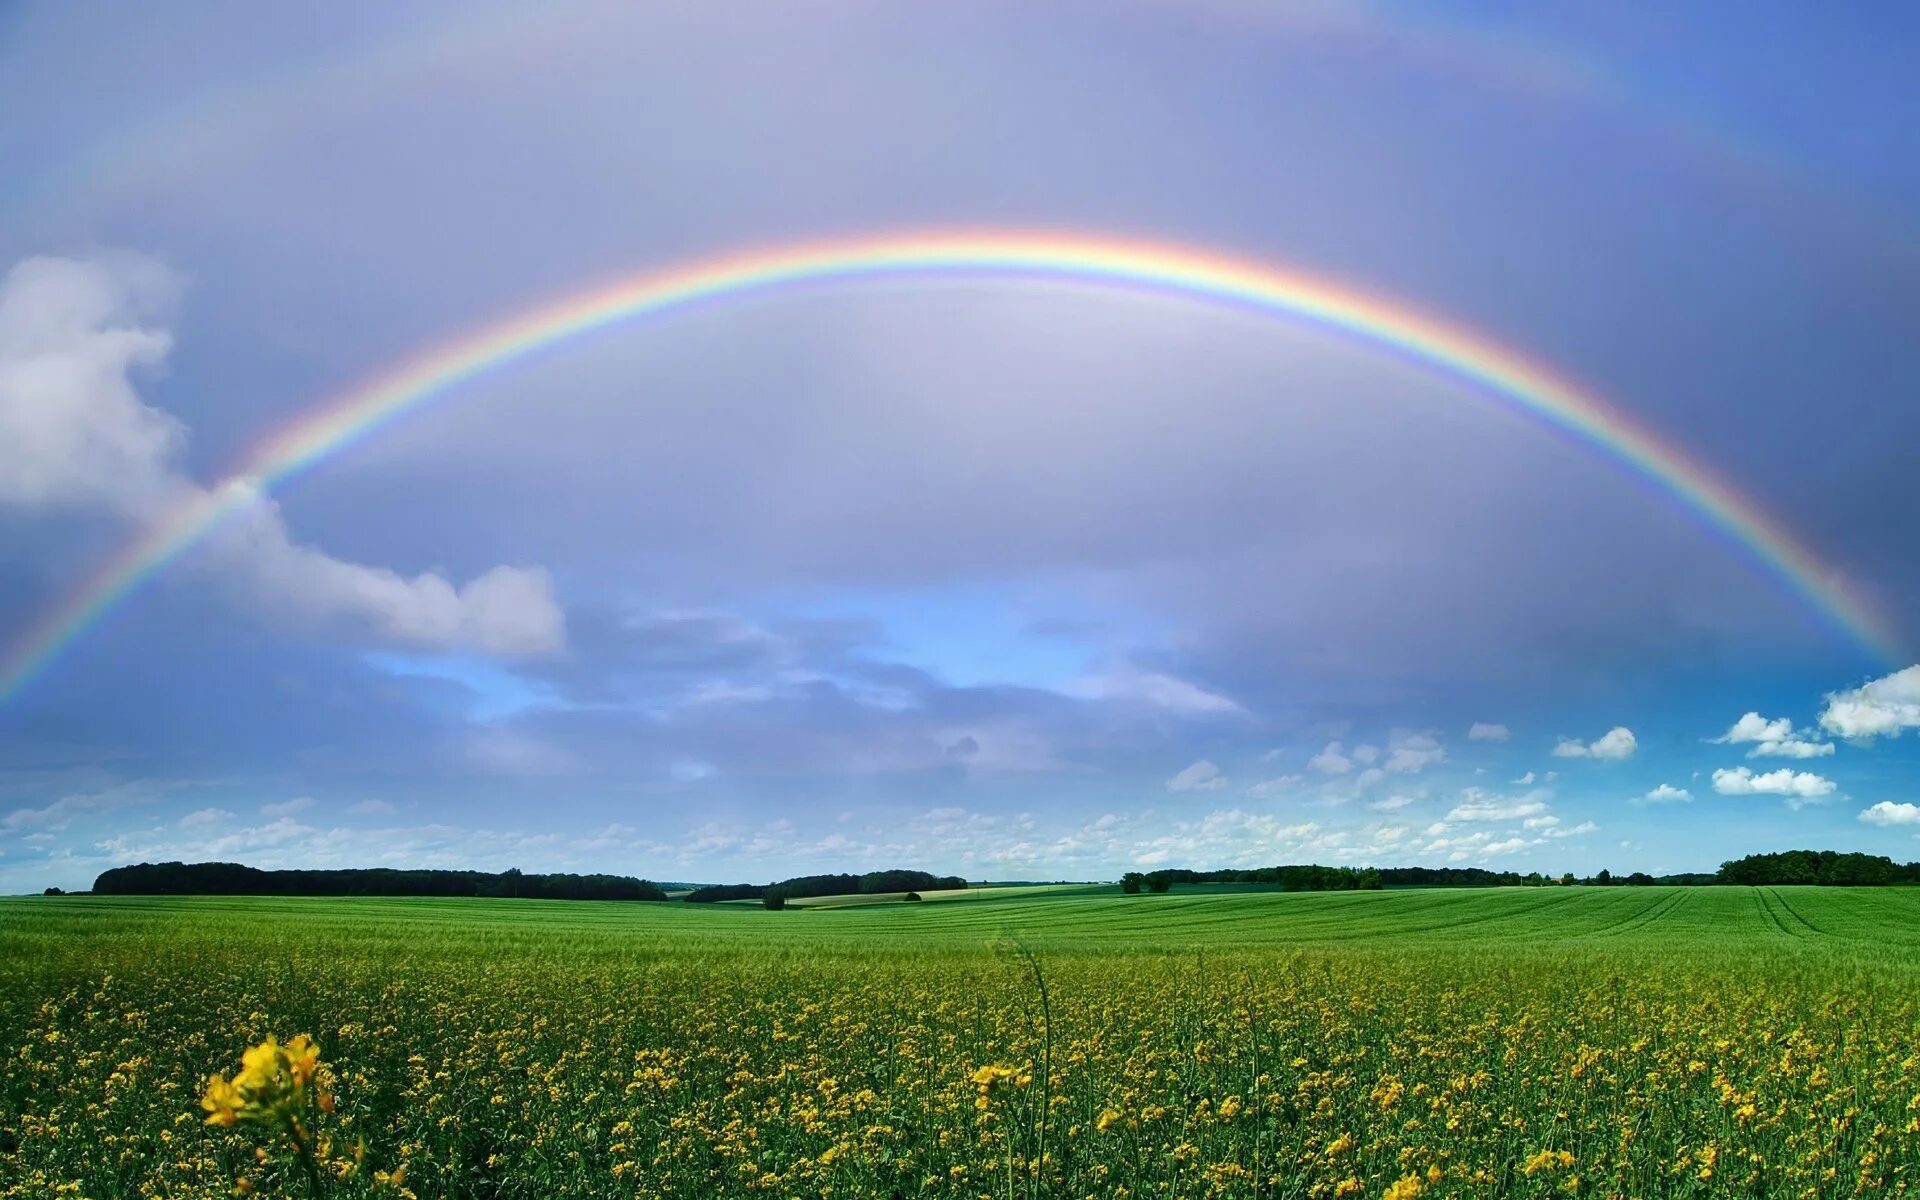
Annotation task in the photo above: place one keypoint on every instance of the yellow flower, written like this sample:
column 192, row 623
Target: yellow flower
column 221, row 1101
column 1548, row 1160
column 1406, row 1188
column 1107, row 1120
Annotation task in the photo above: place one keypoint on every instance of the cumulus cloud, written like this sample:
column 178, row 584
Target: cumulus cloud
column 1332, row 761
column 1884, row 707
column 1801, row 786
column 1666, row 793
column 1889, row 813
column 287, row 808
column 1202, row 776
column 1483, row 806
column 1775, row 738
column 1792, row 748
column 1485, row 731
column 75, row 435
column 1755, row 728
column 1615, row 744
column 1409, row 752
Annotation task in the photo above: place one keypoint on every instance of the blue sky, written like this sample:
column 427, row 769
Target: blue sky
column 1011, row 579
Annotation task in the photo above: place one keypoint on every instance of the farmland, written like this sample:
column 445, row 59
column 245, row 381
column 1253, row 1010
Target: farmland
column 1046, row 1041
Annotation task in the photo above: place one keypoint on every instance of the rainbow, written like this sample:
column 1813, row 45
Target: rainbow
column 1157, row 268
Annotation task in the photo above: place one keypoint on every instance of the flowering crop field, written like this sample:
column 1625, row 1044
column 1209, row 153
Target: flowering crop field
column 1620, row 1042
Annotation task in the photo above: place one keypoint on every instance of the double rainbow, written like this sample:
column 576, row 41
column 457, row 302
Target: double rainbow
column 1161, row 269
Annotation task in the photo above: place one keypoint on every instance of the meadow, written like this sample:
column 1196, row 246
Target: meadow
column 1605, row 1042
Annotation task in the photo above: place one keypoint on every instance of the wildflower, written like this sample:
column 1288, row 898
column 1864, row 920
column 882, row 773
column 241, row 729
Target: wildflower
column 989, row 1077
column 282, row 1087
column 1548, row 1160
column 1406, row 1188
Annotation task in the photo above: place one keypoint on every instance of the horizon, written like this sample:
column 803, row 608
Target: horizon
column 1405, row 435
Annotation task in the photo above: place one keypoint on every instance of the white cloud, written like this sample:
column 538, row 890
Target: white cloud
column 1525, row 779
column 1482, row 807
column 1484, row 731
column 1409, row 752
column 200, row 818
column 1772, row 738
column 1888, row 813
column 1666, row 793
column 1615, row 744
column 1755, row 728
column 1885, row 707
column 1331, row 761
column 1202, row 776
column 1792, row 748
column 1391, row 803
column 1798, row 785
column 287, row 808
column 75, row 434
column 371, row 808
column 1269, row 788
column 1153, row 689
column 1583, row 828
column 1504, row 847
column 1365, row 754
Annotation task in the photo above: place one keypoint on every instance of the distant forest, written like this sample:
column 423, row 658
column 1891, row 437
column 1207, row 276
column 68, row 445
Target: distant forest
column 873, row 883
column 1828, row 868
column 232, row 879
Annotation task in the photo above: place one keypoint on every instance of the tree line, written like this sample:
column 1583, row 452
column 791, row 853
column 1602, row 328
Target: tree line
column 873, row 883
column 1829, row 868
column 233, row 879
column 1816, row 867
column 1311, row 878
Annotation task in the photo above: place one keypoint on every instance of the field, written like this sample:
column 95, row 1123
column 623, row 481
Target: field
column 1059, row 1042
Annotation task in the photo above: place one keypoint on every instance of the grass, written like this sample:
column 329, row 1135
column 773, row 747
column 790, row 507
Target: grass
column 1512, row 1042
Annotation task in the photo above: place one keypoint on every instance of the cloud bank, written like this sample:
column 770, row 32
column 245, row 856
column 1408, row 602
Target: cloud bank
column 76, row 436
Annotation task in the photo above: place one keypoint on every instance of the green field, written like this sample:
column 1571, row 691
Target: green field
column 1523, row 1042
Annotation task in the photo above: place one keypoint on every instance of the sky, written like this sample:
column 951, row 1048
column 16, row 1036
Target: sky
column 1014, row 575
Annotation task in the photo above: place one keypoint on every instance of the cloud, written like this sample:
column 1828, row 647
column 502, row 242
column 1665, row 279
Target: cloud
column 1525, row 779
column 1615, row 744
column 1391, row 803
column 1483, row 807
column 1331, row 761
column 1266, row 789
column 1884, row 707
column 1798, row 785
column 1153, row 689
column 1889, row 813
column 1792, row 748
column 1484, row 731
column 1666, row 793
column 200, row 818
column 1772, row 739
column 287, row 808
column 371, row 808
column 1755, row 728
column 1408, row 753
column 1202, row 776
column 75, row 435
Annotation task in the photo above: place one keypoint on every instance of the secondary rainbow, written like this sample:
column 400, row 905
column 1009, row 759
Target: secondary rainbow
column 1163, row 269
